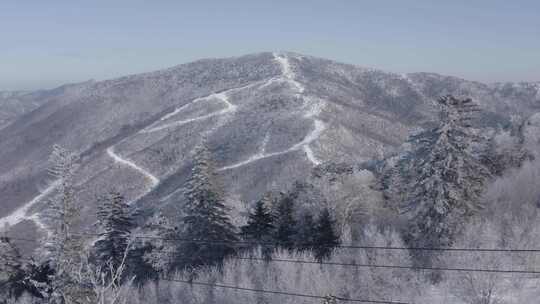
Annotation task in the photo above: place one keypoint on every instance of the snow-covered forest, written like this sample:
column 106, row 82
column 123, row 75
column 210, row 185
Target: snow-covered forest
column 451, row 217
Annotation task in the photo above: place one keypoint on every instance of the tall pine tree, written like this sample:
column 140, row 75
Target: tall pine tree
column 114, row 225
column 260, row 226
column 440, row 180
column 63, row 245
column 285, row 222
column 326, row 237
column 305, row 232
column 206, row 216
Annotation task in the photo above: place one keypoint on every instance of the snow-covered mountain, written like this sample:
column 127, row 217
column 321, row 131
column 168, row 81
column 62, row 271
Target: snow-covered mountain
column 14, row 104
column 269, row 120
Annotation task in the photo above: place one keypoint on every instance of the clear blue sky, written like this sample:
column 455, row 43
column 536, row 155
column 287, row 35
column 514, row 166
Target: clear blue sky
column 47, row 43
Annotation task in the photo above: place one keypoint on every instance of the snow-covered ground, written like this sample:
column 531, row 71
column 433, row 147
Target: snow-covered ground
column 152, row 179
column 220, row 96
column 315, row 108
column 21, row 214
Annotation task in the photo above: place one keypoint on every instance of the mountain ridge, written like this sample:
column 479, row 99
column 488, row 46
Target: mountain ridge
column 269, row 119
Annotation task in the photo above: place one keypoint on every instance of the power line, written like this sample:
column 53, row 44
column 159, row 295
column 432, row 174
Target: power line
column 284, row 293
column 390, row 266
column 279, row 260
column 502, row 271
column 262, row 290
column 203, row 241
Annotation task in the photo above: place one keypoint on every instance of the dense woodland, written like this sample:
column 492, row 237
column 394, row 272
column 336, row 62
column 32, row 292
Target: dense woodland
column 450, row 186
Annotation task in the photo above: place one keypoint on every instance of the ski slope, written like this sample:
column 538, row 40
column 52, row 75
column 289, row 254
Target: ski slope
column 287, row 75
column 154, row 181
column 220, row 96
column 315, row 108
column 21, row 214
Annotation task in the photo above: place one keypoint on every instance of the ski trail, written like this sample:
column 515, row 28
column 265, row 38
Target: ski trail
column 154, row 181
column 304, row 144
column 316, row 108
column 287, row 72
column 222, row 96
column 319, row 126
column 20, row 214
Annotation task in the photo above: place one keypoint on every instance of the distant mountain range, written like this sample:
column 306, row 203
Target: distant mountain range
column 269, row 120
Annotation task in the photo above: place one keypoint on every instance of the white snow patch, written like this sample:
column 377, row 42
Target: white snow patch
column 179, row 109
column 272, row 80
column 288, row 72
column 264, row 143
column 20, row 214
column 313, row 135
column 311, row 156
column 154, row 181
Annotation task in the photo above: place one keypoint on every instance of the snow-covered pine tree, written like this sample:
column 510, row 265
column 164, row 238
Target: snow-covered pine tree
column 506, row 149
column 439, row 181
column 206, row 216
column 63, row 245
column 326, row 237
column 11, row 272
column 159, row 252
column 285, row 222
column 37, row 279
column 260, row 225
column 114, row 224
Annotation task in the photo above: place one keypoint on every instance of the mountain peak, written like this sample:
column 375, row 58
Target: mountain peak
column 269, row 118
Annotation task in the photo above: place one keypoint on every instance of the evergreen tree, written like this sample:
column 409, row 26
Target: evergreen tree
column 64, row 245
column 206, row 216
column 285, row 222
column 37, row 280
column 440, row 180
column 305, row 232
column 260, row 225
column 326, row 237
column 11, row 271
column 114, row 224
column 138, row 266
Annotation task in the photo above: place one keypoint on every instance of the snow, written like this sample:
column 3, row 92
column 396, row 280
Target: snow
column 315, row 108
column 154, row 181
column 310, row 155
column 312, row 136
column 264, row 143
column 259, row 156
column 287, row 72
column 20, row 214
column 222, row 96
column 179, row 109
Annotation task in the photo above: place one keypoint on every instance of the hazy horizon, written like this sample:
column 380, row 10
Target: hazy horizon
column 52, row 43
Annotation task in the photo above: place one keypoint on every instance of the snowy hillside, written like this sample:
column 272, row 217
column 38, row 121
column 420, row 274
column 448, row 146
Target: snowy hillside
column 269, row 120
